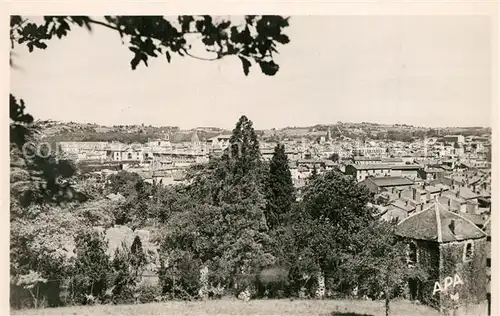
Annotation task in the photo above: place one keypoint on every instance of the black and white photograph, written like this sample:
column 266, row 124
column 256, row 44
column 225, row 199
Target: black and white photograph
column 276, row 164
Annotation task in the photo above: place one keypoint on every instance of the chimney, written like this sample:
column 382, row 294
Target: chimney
column 414, row 191
column 457, row 194
column 452, row 227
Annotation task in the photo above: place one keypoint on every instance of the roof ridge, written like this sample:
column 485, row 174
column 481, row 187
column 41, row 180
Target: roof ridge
column 438, row 222
column 464, row 218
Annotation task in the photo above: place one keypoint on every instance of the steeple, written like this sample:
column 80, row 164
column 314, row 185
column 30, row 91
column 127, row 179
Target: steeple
column 195, row 140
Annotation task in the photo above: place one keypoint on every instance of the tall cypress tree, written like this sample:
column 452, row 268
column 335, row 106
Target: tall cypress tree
column 241, row 200
column 243, row 153
column 280, row 191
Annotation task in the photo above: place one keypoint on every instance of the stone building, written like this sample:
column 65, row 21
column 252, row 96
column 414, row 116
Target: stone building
column 453, row 251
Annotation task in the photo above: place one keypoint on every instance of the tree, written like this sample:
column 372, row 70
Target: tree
column 339, row 198
column 381, row 263
column 280, row 189
column 44, row 241
column 92, row 266
column 226, row 228
column 242, row 157
column 334, row 157
column 314, row 173
column 138, row 257
column 123, row 182
column 125, row 280
column 254, row 40
column 334, row 208
column 38, row 175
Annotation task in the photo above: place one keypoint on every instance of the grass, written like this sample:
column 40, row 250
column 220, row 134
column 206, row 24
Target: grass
column 236, row 307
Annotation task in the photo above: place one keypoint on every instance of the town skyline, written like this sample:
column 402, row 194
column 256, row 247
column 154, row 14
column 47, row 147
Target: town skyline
column 229, row 127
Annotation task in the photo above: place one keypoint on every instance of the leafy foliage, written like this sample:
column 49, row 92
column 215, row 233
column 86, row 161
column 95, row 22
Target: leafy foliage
column 280, row 190
column 226, row 229
column 381, row 264
column 253, row 40
column 92, row 266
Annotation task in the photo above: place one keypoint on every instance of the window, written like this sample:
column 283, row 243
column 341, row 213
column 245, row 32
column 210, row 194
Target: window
column 129, row 156
column 468, row 251
column 412, row 253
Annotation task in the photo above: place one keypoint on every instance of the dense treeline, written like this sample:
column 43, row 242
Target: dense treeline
column 238, row 228
column 141, row 137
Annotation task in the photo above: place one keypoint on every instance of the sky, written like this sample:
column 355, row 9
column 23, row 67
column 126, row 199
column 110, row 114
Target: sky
column 419, row 70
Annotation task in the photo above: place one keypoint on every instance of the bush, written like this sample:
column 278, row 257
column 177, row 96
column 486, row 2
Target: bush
column 124, row 281
column 148, row 293
column 92, row 266
column 181, row 279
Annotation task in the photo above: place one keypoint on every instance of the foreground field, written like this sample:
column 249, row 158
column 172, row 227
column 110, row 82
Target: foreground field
column 236, row 307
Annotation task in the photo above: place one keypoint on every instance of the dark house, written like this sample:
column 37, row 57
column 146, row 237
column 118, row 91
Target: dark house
column 453, row 251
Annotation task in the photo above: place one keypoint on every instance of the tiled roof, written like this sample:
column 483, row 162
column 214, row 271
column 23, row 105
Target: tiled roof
column 390, row 181
column 392, row 159
column 435, row 223
column 433, row 189
column 363, row 158
column 478, row 219
column 406, row 167
column 370, row 167
column 467, row 194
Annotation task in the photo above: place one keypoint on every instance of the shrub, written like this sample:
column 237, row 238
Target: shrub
column 148, row 293
column 125, row 280
column 181, row 279
column 92, row 266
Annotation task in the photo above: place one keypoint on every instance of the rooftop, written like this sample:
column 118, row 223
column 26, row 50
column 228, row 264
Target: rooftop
column 371, row 167
column 364, row 158
column 436, row 223
column 406, row 167
column 390, row 181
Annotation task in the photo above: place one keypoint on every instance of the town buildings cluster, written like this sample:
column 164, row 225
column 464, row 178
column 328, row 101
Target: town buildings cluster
column 438, row 189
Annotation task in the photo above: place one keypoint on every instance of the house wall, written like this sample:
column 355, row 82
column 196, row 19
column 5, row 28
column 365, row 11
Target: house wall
column 428, row 261
column 417, row 196
column 473, row 273
column 471, row 207
column 407, row 193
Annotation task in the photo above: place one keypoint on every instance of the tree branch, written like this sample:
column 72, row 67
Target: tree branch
column 201, row 58
column 105, row 24
column 183, row 50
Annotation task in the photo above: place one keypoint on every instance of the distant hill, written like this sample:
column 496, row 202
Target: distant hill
column 55, row 131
